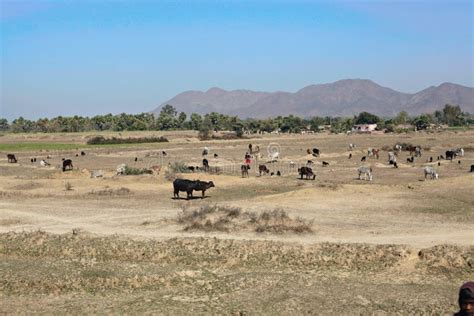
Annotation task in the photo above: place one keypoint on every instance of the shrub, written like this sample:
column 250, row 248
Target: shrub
column 179, row 167
column 136, row 171
column 101, row 140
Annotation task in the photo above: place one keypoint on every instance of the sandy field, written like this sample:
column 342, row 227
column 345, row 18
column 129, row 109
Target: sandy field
column 120, row 244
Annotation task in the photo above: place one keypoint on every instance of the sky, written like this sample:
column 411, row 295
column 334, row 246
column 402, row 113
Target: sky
column 91, row 57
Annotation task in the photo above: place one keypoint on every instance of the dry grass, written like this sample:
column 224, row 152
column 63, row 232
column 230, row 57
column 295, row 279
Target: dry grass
column 226, row 218
column 108, row 191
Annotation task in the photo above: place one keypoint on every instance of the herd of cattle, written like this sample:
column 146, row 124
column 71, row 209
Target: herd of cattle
column 304, row 172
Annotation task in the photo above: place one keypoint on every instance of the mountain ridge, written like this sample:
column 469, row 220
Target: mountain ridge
column 344, row 97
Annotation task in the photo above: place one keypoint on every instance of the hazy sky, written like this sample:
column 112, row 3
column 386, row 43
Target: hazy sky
column 97, row 56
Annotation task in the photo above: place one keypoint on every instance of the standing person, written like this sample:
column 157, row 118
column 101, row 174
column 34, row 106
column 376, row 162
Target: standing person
column 466, row 300
column 250, row 148
column 248, row 160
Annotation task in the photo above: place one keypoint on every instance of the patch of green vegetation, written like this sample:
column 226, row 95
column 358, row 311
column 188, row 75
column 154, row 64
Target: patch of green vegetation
column 14, row 147
column 100, row 140
column 39, row 146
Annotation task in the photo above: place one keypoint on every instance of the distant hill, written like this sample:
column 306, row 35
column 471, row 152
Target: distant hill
column 341, row 98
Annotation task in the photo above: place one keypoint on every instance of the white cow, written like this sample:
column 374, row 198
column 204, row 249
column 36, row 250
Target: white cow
column 366, row 171
column 431, row 172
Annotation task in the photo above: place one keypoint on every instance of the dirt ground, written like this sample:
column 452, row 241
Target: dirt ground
column 397, row 244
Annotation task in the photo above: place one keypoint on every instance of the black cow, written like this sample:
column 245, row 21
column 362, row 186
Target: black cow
column 431, row 159
column 472, row 168
column 216, row 155
column 278, row 173
column 191, row 168
column 450, row 154
column 325, row 163
column 263, row 168
column 350, row 155
column 245, row 170
column 205, row 164
column 189, row 186
column 315, row 152
column 67, row 164
column 11, row 158
column 411, row 159
column 364, row 158
column 307, row 172
column 83, row 153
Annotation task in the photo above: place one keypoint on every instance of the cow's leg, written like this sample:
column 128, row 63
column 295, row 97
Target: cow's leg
column 203, row 193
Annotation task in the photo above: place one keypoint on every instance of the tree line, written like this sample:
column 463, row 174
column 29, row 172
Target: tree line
column 170, row 119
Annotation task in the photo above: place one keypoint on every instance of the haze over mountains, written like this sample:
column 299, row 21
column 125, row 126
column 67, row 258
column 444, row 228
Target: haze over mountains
column 341, row 98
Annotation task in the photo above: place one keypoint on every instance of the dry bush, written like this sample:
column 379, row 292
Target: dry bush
column 179, row 167
column 226, row 218
column 107, row 191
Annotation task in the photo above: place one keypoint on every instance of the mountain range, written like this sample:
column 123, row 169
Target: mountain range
column 341, row 98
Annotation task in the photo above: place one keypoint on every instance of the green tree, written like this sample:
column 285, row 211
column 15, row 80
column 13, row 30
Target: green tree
column 367, row 118
column 205, row 131
column 421, row 122
column 196, row 121
column 401, row 118
column 4, row 126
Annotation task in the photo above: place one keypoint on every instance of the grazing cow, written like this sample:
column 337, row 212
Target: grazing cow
column 191, row 168
column 363, row 159
column 316, row 152
column 83, row 153
column 325, row 163
column 205, row 152
column 307, row 172
column 308, row 151
column 164, row 153
column 189, row 186
column 441, row 157
column 431, row 172
column 366, row 171
column 450, row 154
column 373, row 152
column 263, row 169
column 155, row 169
column 459, row 152
column 121, row 169
column 44, row 163
column 216, row 155
column 411, row 159
column 391, row 158
column 67, row 164
column 472, row 168
column 278, row 173
column 12, row 158
column 350, row 155
column 272, row 174
column 205, row 164
column 431, row 159
column 398, row 147
column 245, row 170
